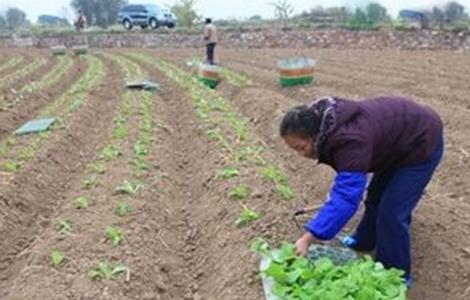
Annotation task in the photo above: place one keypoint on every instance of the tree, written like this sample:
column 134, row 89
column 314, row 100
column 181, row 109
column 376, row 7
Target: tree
column 255, row 18
column 341, row 13
column 454, row 11
column 3, row 22
column 102, row 13
column 109, row 10
column 282, row 10
column 438, row 16
column 317, row 10
column 15, row 18
column 376, row 12
column 361, row 16
column 185, row 12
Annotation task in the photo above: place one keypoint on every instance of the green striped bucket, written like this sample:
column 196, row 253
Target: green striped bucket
column 292, row 81
column 209, row 75
column 59, row 50
column 296, row 71
column 209, row 82
column 80, row 50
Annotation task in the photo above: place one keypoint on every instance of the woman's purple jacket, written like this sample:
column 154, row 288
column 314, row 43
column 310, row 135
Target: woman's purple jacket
column 360, row 137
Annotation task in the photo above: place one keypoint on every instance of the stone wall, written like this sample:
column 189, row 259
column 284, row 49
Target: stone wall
column 413, row 40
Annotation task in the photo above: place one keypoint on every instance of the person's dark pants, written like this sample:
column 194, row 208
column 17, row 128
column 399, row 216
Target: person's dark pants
column 210, row 53
column 392, row 195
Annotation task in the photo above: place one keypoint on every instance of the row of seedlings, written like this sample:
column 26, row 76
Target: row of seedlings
column 127, row 145
column 129, row 189
column 230, row 132
column 51, row 78
column 85, row 201
column 22, row 72
column 13, row 153
column 12, row 62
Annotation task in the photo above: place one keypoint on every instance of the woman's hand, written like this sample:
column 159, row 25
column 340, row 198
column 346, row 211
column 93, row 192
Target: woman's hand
column 303, row 243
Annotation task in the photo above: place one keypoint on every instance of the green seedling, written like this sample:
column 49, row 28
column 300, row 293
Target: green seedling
column 285, row 192
column 272, row 173
column 82, row 202
column 203, row 108
column 146, row 127
column 219, row 104
column 120, row 132
column 4, row 148
column 251, row 154
column 122, row 209
column 6, row 145
column 105, row 270
column 234, row 78
column 90, row 182
column 129, row 188
column 240, row 128
column 260, row 246
column 139, row 174
column 64, row 226
column 120, row 120
column 28, row 152
column 228, row 173
column 145, row 137
column 110, row 152
column 215, row 134
column 97, row 168
column 114, row 235
column 11, row 166
column 143, row 143
column 127, row 107
column 140, row 164
column 240, row 192
column 77, row 103
column 44, row 135
column 246, row 217
column 146, row 124
column 10, row 141
column 140, row 148
column 59, row 123
column 57, row 258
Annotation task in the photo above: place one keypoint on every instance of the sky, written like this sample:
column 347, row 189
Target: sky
column 220, row 8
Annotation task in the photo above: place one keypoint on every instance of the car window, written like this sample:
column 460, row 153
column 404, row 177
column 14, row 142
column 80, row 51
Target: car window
column 127, row 8
column 140, row 8
column 134, row 8
column 152, row 8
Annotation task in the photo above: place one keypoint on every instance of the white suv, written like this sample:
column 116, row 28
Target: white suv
column 145, row 15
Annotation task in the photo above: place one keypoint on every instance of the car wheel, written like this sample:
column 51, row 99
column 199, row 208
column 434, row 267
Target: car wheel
column 153, row 23
column 127, row 24
column 170, row 25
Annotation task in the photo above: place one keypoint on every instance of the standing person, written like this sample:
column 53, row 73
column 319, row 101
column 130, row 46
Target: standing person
column 398, row 140
column 81, row 22
column 211, row 39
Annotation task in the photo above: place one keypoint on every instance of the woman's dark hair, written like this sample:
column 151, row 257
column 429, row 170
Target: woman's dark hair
column 208, row 20
column 300, row 120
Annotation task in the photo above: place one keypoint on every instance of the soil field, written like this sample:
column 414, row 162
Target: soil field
column 157, row 195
